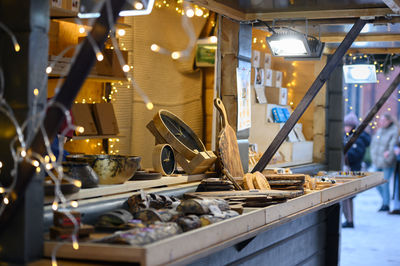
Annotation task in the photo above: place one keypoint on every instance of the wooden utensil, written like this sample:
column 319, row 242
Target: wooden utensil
column 228, row 148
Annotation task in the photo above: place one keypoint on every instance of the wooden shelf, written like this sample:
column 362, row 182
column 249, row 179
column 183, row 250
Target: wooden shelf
column 104, row 190
column 97, row 137
column 56, row 12
column 91, row 77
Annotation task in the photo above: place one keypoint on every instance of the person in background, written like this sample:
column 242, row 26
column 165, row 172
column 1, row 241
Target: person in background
column 382, row 154
column 396, row 183
column 353, row 159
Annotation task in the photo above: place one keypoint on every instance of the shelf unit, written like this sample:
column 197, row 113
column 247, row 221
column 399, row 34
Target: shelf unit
column 91, row 77
column 97, row 137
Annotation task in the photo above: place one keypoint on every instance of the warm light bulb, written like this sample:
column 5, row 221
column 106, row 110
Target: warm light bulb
column 125, row 68
column 99, row 56
column 77, row 183
column 199, row 12
column 23, row 153
column 149, row 106
column 17, row 48
column 2, row 190
column 213, row 39
column 387, row 78
column 54, row 263
column 375, row 63
column 75, row 245
column 38, row 169
column 389, row 109
column 138, row 5
column 74, row 204
column 121, row 32
column 87, row 140
column 80, row 129
column 6, row 200
column 190, row 13
column 36, row 92
column 81, row 30
column 54, row 206
column 176, row 55
column 49, row 69
column 49, row 166
column 155, row 48
column 35, row 163
column 46, row 158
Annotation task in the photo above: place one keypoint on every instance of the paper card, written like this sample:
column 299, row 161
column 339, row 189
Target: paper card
column 268, row 77
column 260, row 95
column 278, row 79
column 283, row 96
column 244, row 98
column 298, row 129
column 267, row 61
column 258, row 77
column 255, row 58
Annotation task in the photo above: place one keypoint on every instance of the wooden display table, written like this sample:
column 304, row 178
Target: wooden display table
column 234, row 234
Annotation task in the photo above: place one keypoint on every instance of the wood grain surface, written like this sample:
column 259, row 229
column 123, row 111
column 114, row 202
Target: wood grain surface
column 228, row 149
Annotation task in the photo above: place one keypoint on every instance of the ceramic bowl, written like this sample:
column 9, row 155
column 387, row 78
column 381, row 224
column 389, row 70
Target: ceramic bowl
column 111, row 169
column 82, row 172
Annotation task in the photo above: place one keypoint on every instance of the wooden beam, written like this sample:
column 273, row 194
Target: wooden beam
column 220, row 8
column 338, row 38
column 367, row 51
column 394, row 5
column 310, row 95
column 371, row 114
column 321, row 14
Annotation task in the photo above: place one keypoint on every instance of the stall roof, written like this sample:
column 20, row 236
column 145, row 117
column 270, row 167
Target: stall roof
column 330, row 20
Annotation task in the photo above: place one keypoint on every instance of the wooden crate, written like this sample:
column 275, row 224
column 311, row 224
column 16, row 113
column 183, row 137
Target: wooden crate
column 301, row 151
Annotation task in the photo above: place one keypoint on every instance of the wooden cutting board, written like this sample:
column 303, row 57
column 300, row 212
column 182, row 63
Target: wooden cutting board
column 228, row 149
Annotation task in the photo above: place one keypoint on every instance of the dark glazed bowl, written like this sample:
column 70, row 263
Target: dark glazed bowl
column 111, row 169
column 82, row 172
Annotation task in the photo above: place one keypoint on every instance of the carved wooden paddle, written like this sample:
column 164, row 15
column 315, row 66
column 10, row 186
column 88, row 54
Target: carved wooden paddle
column 228, row 148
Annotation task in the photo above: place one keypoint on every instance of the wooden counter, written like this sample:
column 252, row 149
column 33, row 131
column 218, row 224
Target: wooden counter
column 200, row 243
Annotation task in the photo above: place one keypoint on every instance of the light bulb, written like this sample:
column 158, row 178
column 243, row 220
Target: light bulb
column 121, row 32
column 1, row 165
column 149, row 106
column 99, row 56
column 125, row 68
column 49, row 69
column 87, row 140
column 2, row 190
column 46, row 158
column 35, row 163
column 38, row 169
column 155, row 48
column 189, row 13
column 138, row 5
column 36, row 92
column 53, row 157
column 213, row 39
column 49, row 166
column 54, row 263
column 23, row 153
column 176, row 55
column 17, row 48
column 6, row 200
column 199, row 12
column 54, row 206
column 74, row 204
column 81, row 30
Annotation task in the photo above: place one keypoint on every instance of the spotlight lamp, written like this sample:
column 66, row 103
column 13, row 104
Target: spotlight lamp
column 295, row 46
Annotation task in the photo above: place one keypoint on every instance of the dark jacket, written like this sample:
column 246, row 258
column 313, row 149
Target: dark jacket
column 356, row 153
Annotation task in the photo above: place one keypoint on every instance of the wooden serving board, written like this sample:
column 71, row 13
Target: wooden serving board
column 228, row 149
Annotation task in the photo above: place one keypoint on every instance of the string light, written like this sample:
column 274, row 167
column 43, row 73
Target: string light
column 1, row 165
column 74, row 204
column 138, row 5
column 149, row 106
column 389, row 109
column 121, row 32
column 387, row 78
column 54, row 206
column 6, row 200
column 47, row 159
column 155, row 48
column 176, row 55
column 80, row 129
column 38, row 169
column 17, row 48
column 199, row 12
column 213, row 39
column 23, row 153
column 77, row 183
column 189, row 13
column 49, row 166
column 126, row 68
column 36, row 92
column 81, row 30
column 75, row 245
column 35, row 163
column 99, row 56
column 49, row 69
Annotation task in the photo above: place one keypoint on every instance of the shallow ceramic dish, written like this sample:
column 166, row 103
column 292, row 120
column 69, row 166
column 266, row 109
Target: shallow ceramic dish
column 111, row 169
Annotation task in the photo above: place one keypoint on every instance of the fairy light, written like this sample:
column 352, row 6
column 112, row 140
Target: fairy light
column 49, row 166
column 138, row 5
column 38, row 169
column 75, row 245
column 77, row 183
column 80, row 129
column 121, row 32
column 375, row 62
column 346, row 99
column 149, row 106
column 47, row 159
column 199, row 12
column 389, row 109
column 54, row 206
column 35, row 163
column 189, row 13
column 213, row 39
column 377, row 116
column 2, row 190
column 6, row 200
column 254, row 40
column 155, row 48
column 392, row 68
column 176, row 55
column 126, row 68
column 23, row 154
column 81, row 30
column 345, row 88
column 351, row 107
column 99, row 56
column 49, row 69
column 387, row 78
column 87, row 140
column 74, row 204
column 36, row 92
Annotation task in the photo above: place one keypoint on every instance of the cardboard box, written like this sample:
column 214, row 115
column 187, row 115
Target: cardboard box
column 276, row 95
column 105, row 119
column 83, row 117
column 110, row 65
column 301, row 151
